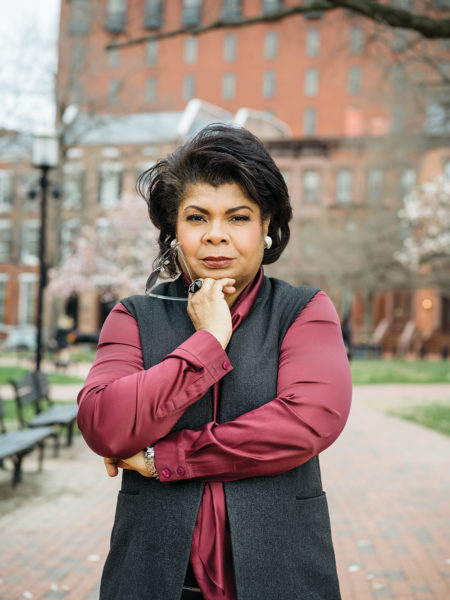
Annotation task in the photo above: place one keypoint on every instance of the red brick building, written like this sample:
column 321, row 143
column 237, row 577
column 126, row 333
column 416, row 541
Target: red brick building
column 347, row 91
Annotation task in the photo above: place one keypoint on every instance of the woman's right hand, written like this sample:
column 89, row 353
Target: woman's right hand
column 208, row 308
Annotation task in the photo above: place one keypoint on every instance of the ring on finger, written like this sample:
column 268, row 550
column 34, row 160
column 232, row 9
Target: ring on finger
column 195, row 286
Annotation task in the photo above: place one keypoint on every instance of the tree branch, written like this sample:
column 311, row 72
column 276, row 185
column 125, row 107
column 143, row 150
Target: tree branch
column 391, row 16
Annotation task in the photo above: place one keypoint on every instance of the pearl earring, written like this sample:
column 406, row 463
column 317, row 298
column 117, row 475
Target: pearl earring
column 173, row 243
column 267, row 242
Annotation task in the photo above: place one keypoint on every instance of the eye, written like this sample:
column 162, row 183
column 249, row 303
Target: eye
column 240, row 218
column 195, row 218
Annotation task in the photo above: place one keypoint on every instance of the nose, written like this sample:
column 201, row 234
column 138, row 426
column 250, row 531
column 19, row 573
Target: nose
column 216, row 234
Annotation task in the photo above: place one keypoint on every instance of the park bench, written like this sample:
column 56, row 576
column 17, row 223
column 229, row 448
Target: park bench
column 33, row 389
column 16, row 444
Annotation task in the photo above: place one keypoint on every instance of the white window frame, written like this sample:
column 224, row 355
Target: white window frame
column 106, row 198
column 312, row 42
column 6, row 190
column 230, row 47
column 4, row 280
column 25, row 256
column 271, row 45
column 311, row 82
column 229, row 86
column 6, row 225
column 27, row 316
column 190, row 50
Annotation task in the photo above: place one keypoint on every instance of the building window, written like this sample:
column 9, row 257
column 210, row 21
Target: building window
column 110, row 184
column 231, row 10
column 27, row 298
column 116, row 15
column 80, row 18
column 6, row 190
column 311, row 185
column 190, row 50
column 189, row 87
column 344, row 185
column 5, row 240
column 77, row 57
column 354, row 80
column 3, row 288
column 375, row 186
column 447, row 170
column 192, row 12
column 113, row 91
column 152, row 53
column 312, row 42
column 356, row 40
column 269, row 84
column 69, row 231
column 229, row 86
column 73, row 185
column 271, row 6
column 271, row 45
column 312, row 14
column 230, row 46
column 398, row 118
column 150, row 89
column 309, row 121
column 29, row 251
column 407, row 181
column 311, row 82
column 153, row 14
column 114, row 58
column 398, row 76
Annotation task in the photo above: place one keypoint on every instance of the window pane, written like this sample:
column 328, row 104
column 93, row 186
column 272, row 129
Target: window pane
column 344, row 183
column 311, row 183
column 152, row 53
column 271, row 45
column 407, row 181
column 114, row 57
column 73, row 186
column 309, row 121
column 356, row 40
column 354, row 80
column 110, row 185
column 153, row 14
column 311, row 82
column 151, row 92
column 190, row 50
column 189, row 87
column 375, row 185
column 113, row 91
column 229, row 86
column 3, row 287
column 29, row 251
column 6, row 190
column 5, row 241
column 230, row 47
column 27, row 299
column 231, row 10
column 447, row 170
column 115, row 17
column 269, row 84
column 271, row 6
column 69, row 232
column 192, row 12
column 312, row 42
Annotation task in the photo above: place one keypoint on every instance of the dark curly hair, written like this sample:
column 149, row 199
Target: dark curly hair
column 218, row 154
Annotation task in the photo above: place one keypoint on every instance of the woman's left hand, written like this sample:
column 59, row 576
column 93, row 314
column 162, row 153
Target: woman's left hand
column 134, row 463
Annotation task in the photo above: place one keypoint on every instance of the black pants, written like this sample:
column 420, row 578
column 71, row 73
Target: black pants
column 191, row 582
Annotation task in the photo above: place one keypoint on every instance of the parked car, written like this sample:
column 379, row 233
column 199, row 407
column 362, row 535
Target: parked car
column 20, row 338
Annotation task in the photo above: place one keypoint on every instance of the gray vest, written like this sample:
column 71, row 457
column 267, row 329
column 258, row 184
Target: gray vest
column 280, row 529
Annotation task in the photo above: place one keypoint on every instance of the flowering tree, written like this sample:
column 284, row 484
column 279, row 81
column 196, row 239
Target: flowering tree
column 426, row 219
column 113, row 259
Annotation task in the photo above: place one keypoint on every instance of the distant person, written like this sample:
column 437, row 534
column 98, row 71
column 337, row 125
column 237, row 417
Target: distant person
column 216, row 392
column 347, row 335
column 65, row 326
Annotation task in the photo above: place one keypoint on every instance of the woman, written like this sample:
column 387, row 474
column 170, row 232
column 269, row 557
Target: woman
column 232, row 396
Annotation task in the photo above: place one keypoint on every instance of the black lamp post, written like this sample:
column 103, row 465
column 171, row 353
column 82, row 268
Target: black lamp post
column 45, row 157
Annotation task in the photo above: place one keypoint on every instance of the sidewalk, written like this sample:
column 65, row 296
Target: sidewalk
column 387, row 483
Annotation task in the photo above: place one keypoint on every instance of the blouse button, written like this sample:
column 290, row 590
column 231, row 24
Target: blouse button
column 166, row 473
column 225, row 366
column 181, row 471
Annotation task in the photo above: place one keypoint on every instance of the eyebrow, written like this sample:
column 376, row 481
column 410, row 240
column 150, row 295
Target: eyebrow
column 230, row 210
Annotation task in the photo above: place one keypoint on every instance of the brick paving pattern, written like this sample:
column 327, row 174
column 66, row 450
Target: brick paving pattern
column 387, row 483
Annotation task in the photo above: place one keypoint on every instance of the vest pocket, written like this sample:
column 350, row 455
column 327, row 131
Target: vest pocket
column 307, row 498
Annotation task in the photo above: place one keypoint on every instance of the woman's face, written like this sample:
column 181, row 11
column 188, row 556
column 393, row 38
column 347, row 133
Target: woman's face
column 221, row 233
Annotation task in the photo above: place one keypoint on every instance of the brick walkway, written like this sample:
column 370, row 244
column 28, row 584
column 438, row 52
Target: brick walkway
column 388, row 488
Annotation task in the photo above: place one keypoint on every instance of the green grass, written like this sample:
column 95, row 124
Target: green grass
column 434, row 416
column 397, row 370
column 12, row 372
